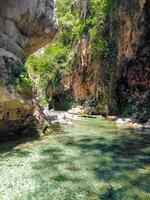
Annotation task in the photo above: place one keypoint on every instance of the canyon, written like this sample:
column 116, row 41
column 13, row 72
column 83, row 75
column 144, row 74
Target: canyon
column 116, row 80
column 74, row 99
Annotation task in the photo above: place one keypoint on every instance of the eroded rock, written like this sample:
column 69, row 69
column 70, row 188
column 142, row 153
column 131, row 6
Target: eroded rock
column 25, row 26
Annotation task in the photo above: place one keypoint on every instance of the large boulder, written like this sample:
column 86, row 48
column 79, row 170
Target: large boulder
column 16, row 116
column 25, row 26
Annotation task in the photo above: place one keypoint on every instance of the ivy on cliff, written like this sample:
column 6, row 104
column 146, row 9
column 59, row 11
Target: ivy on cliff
column 21, row 81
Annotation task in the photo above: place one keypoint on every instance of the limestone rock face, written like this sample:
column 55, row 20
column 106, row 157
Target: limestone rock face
column 133, row 56
column 122, row 74
column 134, row 44
column 85, row 75
column 16, row 116
column 25, row 26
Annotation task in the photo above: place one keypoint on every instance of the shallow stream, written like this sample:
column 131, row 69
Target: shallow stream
column 89, row 160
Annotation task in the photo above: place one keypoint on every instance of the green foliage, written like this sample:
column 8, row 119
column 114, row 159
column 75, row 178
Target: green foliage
column 70, row 26
column 49, row 65
column 112, row 105
column 127, row 110
column 62, row 102
column 68, row 103
column 142, row 118
column 83, row 114
column 16, row 77
column 59, row 57
column 46, row 125
column 22, row 81
column 81, row 102
column 102, row 105
column 43, row 101
column 54, row 57
column 98, row 13
column 24, row 90
column 20, row 76
column 144, row 114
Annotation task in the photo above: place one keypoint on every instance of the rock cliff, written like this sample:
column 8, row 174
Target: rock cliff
column 134, row 47
column 129, row 68
column 25, row 26
column 121, row 76
column 85, row 72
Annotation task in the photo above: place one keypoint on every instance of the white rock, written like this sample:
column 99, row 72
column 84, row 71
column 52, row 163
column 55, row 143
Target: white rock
column 127, row 120
column 113, row 118
column 120, row 121
column 76, row 111
column 147, row 125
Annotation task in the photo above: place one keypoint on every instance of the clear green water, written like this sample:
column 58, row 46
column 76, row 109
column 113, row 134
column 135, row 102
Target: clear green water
column 89, row 160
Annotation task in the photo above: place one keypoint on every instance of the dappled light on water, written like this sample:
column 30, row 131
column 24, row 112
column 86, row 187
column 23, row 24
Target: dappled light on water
column 89, row 160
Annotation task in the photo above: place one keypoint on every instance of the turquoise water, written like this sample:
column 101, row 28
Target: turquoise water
column 89, row 160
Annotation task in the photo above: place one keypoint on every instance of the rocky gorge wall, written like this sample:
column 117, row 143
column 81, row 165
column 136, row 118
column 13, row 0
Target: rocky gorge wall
column 85, row 73
column 121, row 76
column 134, row 48
column 25, row 26
column 116, row 81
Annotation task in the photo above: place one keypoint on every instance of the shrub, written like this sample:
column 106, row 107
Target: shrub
column 22, row 81
column 43, row 102
column 102, row 106
column 127, row 110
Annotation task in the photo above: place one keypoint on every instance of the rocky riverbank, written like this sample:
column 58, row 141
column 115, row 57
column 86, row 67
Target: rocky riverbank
column 120, row 122
column 62, row 117
column 59, row 116
column 131, row 123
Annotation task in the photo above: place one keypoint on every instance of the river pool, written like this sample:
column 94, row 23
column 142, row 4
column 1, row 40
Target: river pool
column 89, row 160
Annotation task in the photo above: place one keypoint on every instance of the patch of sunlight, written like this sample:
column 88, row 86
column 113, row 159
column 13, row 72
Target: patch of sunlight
column 89, row 160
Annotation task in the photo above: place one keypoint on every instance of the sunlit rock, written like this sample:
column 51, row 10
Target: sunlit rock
column 25, row 26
